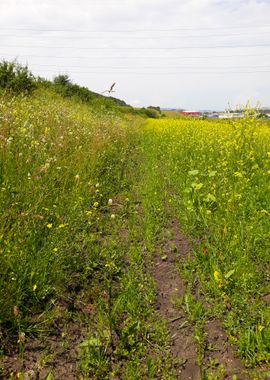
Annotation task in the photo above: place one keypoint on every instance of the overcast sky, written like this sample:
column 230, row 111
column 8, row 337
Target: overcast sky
column 193, row 54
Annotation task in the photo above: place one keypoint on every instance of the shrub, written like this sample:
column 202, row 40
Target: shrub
column 62, row 80
column 16, row 78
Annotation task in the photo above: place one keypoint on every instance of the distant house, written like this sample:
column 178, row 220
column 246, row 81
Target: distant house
column 213, row 115
column 225, row 116
column 191, row 113
column 231, row 115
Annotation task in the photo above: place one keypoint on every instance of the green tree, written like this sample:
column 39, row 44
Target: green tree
column 16, row 78
column 62, row 79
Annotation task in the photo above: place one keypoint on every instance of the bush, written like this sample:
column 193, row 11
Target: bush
column 16, row 78
column 62, row 80
column 150, row 112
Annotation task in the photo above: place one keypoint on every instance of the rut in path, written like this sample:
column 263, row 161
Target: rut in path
column 182, row 345
column 170, row 285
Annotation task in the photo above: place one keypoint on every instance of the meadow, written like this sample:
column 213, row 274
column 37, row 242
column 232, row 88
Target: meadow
column 216, row 180
column 87, row 198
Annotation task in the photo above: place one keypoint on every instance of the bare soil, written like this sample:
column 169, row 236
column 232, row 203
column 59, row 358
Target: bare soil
column 56, row 354
column 218, row 350
column 169, row 287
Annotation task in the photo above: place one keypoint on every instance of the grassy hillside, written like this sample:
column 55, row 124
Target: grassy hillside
column 17, row 79
column 89, row 197
column 53, row 154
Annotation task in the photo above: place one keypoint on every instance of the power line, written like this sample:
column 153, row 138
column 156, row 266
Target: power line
column 138, row 48
column 164, row 73
column 137, row 37
column 137, row 57
column 133, row 30
column 147, row 67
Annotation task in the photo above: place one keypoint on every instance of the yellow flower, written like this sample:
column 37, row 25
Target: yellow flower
column 238, row 174
column 47, row 130
column 49, row 225
column 95, row 204
column 217, row 276
column 34, row 288
column 110, row 202
column 62, row 225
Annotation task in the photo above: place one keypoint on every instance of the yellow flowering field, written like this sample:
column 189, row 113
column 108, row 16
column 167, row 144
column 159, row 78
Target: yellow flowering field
column 88, row 198
column 215, row 177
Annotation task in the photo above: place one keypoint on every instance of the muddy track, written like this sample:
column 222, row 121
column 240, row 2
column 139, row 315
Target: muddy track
column 219, row 350
column 55, row 354
column 170, row 286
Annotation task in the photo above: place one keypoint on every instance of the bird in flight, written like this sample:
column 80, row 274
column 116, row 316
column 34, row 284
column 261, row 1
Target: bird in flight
column 111, row 89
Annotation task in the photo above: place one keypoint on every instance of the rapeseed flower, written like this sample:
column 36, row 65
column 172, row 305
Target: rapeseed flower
column 217, row 276
column 238, row 174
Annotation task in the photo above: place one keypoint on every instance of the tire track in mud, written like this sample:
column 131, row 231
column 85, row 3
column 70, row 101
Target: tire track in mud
column 169, row 286
column 183, row 348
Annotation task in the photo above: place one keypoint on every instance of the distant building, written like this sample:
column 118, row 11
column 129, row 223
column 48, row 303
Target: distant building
column 191, row 113
column 213, row 115
column 231, row 115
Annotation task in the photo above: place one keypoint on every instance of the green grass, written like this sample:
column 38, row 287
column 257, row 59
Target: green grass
column 61, row 164
column 217, row 180
column 53, row 154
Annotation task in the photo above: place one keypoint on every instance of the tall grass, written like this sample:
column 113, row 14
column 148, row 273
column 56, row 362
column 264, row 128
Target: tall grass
column 60, row 163
column 215, row 177
column 53, row 153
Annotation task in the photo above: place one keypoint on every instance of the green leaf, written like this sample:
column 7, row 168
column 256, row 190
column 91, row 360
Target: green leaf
column 229, row 274
column 210, row 198
column 193, row 172
column 197, row 186
column 49, row 376
column 93, row 342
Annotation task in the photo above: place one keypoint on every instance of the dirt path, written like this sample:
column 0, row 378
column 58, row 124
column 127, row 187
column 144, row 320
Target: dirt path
column 170, row 286
column 218, row 351
column 54, row 356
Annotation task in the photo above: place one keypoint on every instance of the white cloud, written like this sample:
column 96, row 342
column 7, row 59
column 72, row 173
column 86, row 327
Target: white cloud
column 136, row 103
column 151, row 75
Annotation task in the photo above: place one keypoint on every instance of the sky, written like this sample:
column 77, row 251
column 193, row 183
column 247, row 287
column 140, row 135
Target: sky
column 190, row 54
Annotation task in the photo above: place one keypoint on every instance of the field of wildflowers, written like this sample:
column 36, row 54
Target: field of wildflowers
column 216, row 181
column 53, row 152
column 87, row 196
